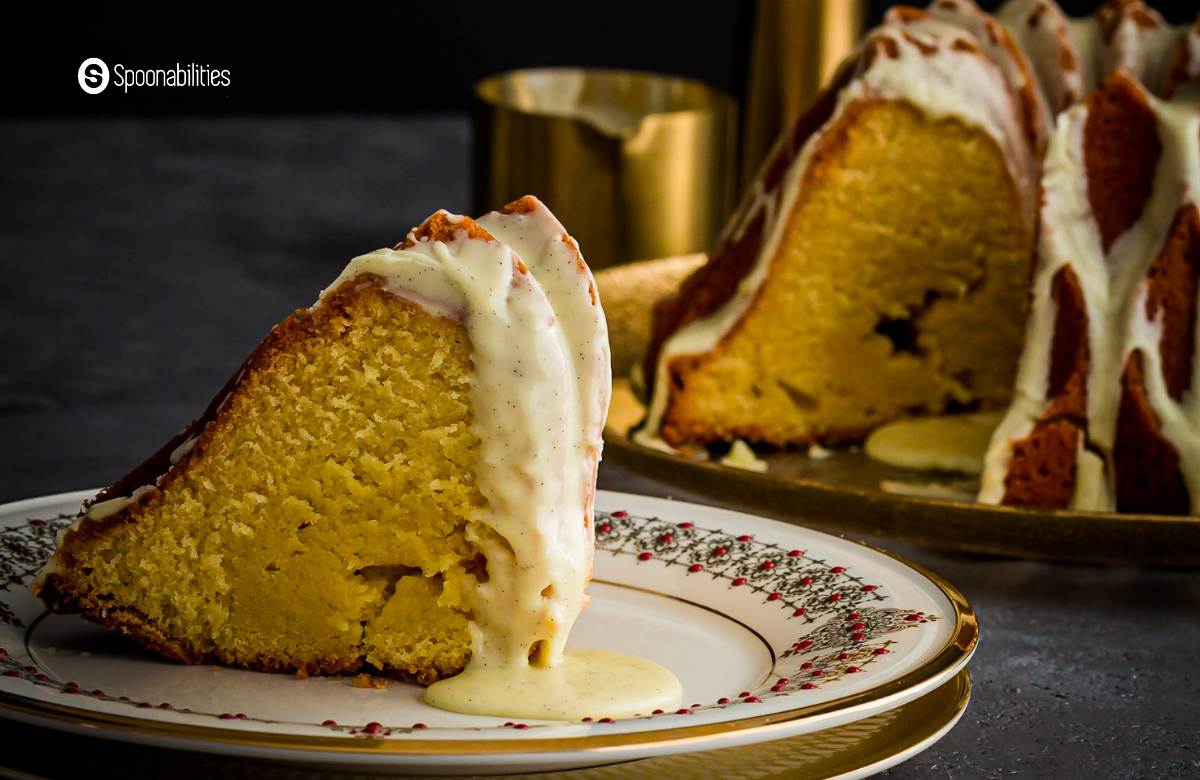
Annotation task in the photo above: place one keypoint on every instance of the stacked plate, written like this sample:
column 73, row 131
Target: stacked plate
column 853, row 657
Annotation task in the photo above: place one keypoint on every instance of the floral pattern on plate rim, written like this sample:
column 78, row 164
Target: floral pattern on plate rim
column 841, row 629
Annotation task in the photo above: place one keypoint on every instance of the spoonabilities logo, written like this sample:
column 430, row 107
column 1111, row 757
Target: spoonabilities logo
column 93, row 76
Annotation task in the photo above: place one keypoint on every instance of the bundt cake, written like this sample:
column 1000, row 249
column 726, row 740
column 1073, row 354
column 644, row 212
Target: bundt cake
column 400, row 475
column 1072, row 56
column 1106, row 413
column 879, row 265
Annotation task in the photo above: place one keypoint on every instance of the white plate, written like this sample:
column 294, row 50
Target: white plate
column 774, row 631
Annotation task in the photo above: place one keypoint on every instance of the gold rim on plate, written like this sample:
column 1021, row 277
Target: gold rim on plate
column 952, row 655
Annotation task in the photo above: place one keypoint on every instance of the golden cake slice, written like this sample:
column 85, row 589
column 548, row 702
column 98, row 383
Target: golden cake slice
column 392, row 474
column 878, row 267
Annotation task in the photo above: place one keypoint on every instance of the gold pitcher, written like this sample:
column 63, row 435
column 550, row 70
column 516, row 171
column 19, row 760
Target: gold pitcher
column 797, row 45
column 637, row 165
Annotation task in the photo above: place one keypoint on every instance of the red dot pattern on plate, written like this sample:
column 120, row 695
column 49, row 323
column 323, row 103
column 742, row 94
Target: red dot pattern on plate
column 758, row 564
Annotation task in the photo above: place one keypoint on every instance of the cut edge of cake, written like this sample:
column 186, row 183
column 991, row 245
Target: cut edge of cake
column 539, row 392
column 916, row 60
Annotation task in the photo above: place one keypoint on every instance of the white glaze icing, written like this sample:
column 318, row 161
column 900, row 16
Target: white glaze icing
column 946, row 82
column 999, row 45
column 539, row 394
column 587, row 683
column 740, row 456
column 186, row 446
column 1139, row 42
column 1072, row 56
column 950, row 442
column 96, row 511
column 109, row 507
column 1114, row 290
column 817, row 452
column 1042, row 32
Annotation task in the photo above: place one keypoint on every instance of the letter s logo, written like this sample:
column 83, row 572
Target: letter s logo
column 93, row 76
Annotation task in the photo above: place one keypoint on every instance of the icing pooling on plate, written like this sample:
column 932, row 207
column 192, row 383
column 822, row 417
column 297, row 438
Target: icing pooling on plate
column 539, row 398
column 948, row 442
column 584, row 684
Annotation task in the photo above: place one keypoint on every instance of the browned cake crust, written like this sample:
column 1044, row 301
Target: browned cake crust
column 714, row 283
column 703, row 294
column 1147, row 465
column 65, row 593
column 1121, row 148
column 1172, row 292
column 528, row 203
column 1042, row 470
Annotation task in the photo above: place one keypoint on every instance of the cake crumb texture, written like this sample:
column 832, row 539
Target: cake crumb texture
column 320, row 524
column 905, row 258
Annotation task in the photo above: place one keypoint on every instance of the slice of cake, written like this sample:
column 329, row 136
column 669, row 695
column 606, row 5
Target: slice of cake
column 879, row 265
column 1106, row 413
column 400, row 475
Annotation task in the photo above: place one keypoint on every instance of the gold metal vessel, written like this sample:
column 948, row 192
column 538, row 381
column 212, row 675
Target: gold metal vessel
column 639, row 165
column 796, row 47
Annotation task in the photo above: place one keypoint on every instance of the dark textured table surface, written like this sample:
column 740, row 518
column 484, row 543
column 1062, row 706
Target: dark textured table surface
column 142, row 259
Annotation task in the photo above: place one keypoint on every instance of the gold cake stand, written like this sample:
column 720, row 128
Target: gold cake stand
column 843, row 493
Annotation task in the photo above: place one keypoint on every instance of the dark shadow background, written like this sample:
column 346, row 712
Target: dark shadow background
column 395, row 58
